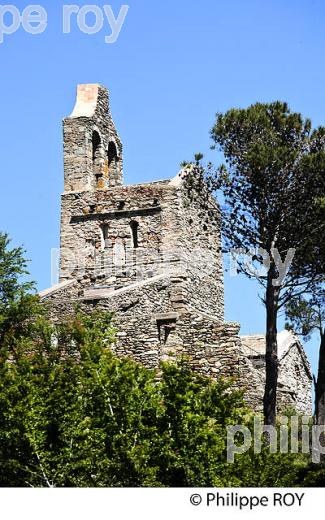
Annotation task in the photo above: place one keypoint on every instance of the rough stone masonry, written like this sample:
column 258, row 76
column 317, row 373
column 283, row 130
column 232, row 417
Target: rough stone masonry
column 153, row 257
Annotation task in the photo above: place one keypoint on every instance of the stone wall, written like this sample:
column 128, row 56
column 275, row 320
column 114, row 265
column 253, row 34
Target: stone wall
column 295, row 377
column 97, row 244
column 149, row 330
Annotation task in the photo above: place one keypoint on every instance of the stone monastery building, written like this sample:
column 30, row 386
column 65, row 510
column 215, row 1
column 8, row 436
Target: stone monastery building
column 153, row 257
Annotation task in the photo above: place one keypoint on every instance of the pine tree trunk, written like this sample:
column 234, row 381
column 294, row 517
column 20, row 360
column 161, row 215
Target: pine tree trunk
column 271, row 355
column 320, row 385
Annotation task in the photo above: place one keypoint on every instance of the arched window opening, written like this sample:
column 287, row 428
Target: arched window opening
column 112, row 159
column 134, row 233
column 96, row 156
column 104, row 236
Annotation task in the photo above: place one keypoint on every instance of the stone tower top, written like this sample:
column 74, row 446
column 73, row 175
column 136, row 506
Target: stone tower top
column 92, row 148
column 87, row 100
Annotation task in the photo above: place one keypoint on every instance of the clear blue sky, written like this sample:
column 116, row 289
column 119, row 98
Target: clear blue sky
column 175, row 64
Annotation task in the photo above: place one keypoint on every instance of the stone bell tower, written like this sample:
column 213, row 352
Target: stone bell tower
column 92, row 162
column 92, row 147
column 114, row 235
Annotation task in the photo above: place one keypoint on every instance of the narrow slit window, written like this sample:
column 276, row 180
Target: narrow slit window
column 104, row 236
column 96, row 143
column 135, row 233
column 112, row 159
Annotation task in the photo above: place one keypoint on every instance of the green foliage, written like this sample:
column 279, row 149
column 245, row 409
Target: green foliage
column 198, row 157
column 306, row 314
column 73, row 414
column 312, row 475
column 13, row 267
column 274, row 183
column 17, row 302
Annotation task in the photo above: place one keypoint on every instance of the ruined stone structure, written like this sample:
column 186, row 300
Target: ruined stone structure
column 153, row 256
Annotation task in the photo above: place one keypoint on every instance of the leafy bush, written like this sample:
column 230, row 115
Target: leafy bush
column 73, row 414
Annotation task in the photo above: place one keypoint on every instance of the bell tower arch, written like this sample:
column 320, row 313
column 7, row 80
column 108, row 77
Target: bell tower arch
column 92, row 148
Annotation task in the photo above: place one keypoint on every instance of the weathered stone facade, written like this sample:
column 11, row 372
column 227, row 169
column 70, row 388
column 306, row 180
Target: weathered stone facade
column 295, row 377
column 152, row 256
